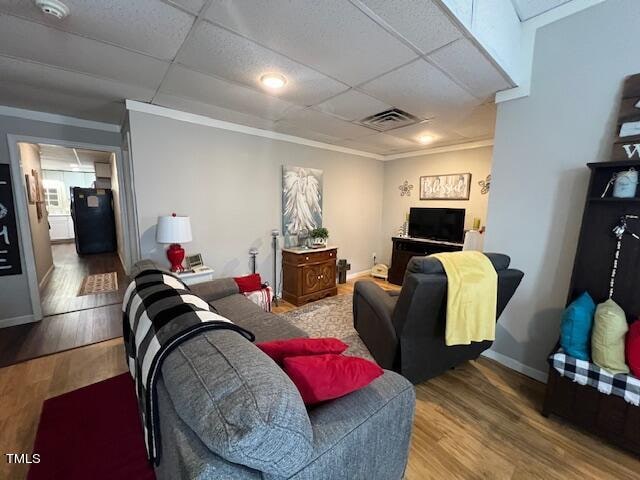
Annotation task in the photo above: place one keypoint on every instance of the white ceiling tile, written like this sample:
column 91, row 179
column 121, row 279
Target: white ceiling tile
column 61, row 103
column 420, row 89
column 319, row 122
column 217, row 51
column 440, row 132
column 353, row 105
column 148, row 26
column 468, row 65
column 37, row 42
column 365, row 147
column 478, row 123
column 182, row 82
column 212, row 111
column 333, row 36
column 385, row 140
column 530, row 8
column 423, row 23
column 193, row 6
column 18, row 72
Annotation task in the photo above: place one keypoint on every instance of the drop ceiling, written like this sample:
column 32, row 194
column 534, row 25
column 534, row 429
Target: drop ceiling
column 344, row 60
column 54, row 157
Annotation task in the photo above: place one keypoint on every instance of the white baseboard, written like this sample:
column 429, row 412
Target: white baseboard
column 358, row 274
column 11, row 322
column 516, row 365
column 46, row 277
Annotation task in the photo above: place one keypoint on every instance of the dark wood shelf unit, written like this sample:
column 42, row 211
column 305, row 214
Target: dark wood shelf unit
column 608, row 416
column 404, row 248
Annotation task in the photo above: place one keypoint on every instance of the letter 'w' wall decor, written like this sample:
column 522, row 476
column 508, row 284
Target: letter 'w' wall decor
column 627, row 143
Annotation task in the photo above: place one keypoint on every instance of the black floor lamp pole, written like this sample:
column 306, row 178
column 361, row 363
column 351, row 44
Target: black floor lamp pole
column 274, row 235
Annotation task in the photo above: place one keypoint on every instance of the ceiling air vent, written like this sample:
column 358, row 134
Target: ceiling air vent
column 388, row 120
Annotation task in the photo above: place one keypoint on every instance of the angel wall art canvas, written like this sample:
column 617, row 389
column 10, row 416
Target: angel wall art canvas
column 301, row 202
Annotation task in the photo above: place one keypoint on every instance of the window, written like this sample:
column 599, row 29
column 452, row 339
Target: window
column 51, row 197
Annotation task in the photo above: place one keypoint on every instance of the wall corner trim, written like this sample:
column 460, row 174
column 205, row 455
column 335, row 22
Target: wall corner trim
column 58, row 119
column 514, row 364
column 236, row 127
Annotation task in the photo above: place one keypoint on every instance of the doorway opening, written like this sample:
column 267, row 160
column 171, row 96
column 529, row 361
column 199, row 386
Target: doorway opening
column 76, row 226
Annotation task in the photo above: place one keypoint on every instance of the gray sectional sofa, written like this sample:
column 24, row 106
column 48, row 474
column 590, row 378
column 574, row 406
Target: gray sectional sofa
column 227, row 411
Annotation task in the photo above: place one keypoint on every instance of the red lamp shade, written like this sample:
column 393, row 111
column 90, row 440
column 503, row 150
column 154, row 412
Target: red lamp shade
column 174, row 229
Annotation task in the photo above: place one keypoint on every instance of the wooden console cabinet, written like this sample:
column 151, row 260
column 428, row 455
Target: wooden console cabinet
column 406, row 247
column 308, row 275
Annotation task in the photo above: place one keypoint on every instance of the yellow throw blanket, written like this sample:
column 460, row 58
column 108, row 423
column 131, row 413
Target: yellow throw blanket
column 472, row 291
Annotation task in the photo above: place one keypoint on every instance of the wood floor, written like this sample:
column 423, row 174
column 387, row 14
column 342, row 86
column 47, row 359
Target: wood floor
column 90, row 318
column 479, row 421
column 60, row 293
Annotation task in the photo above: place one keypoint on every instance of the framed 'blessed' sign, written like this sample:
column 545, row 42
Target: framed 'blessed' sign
column 456, row 186
column 627, row 144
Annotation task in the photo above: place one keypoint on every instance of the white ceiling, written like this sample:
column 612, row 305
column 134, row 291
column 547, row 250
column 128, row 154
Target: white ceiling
column 54, row 157
column 344, row 60
column 531, row 8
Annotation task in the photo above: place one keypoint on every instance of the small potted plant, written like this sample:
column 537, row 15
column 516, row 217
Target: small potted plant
column 319, row 236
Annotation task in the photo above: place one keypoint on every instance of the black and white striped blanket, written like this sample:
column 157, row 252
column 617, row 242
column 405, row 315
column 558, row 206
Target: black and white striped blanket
column 159, row 313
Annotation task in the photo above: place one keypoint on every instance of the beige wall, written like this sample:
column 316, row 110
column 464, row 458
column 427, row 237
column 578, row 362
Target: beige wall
column 30, row 160
column 230, row 185
column 542, row 145
column 476, row 161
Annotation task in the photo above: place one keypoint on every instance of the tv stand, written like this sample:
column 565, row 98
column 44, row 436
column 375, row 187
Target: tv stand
column 404, row 248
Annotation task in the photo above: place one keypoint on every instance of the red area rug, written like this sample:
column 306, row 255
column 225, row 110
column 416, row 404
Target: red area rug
column 92, row 433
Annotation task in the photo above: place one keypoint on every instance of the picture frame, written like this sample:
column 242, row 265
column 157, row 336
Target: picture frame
column 31, row 189
column 194, row 261
column 452, row 186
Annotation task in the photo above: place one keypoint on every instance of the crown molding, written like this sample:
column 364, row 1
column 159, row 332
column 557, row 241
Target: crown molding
column 528, row 42
column 449, row 148
column 58, row 119
column 136, row 106
column 182, row 116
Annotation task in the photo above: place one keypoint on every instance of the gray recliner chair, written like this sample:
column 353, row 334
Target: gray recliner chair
column 405, row 331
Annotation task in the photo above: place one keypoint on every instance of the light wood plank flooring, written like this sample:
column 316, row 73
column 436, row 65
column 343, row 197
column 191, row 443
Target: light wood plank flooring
column 479, row 421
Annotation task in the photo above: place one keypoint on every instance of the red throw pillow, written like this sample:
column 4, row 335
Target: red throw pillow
column 329, row 376
column 297, row 347
column 249, row 283
column 633, row 348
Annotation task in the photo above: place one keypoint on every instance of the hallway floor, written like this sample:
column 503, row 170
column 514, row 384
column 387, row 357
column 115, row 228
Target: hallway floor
column 60, row 293
column 70, row 321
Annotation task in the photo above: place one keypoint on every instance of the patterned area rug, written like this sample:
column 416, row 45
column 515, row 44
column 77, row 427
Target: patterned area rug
column 331, row 317
column 99, row 283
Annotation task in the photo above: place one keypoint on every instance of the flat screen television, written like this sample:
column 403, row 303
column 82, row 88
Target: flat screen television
column 445, row 224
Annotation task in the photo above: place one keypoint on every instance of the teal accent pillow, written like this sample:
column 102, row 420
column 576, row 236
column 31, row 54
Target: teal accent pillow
column 575, row 329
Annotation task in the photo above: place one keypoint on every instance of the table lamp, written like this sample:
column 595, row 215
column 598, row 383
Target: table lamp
column 174, row 229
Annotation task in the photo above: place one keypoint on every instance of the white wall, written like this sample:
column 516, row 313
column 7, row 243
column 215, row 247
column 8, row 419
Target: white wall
column 117, row 210
column 30, row 160
column 542, row 144
column 230, row 185
column 476, row 161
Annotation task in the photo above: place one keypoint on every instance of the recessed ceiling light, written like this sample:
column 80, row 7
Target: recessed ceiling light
column 424, row 139
column 273, row 80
